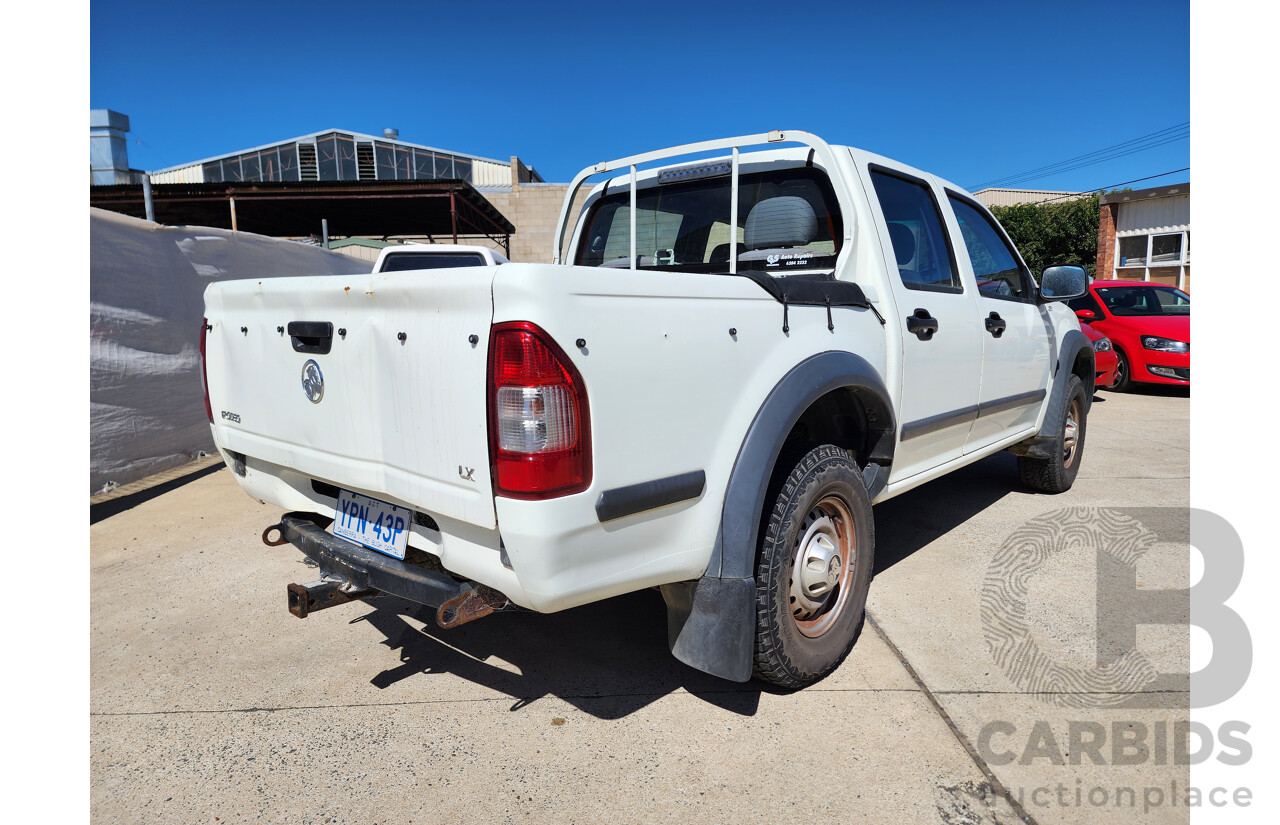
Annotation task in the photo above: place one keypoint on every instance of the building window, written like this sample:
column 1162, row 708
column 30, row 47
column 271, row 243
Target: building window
column 251, row 168
column 327, row 156
column 1165, row 249
column 1133, row 251
column 423, row 165
column 386, row 157
column 288, row 155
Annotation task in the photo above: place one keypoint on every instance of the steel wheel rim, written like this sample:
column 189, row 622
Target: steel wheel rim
column 1071, row 433
column 822, row 567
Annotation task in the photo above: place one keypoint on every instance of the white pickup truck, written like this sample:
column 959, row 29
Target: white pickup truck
column 401, row 257
column 705, row 392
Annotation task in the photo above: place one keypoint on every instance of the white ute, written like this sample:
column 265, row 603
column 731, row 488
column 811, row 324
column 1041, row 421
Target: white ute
column 731, row 361
column 401, row 257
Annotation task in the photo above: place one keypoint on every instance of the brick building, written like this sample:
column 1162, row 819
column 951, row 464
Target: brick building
column 1146, row 235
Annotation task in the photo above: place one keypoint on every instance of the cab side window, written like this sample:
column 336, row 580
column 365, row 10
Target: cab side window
column 994, row 263
column 920, row 245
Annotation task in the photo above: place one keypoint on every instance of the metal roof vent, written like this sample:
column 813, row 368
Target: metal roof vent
column 391, row 134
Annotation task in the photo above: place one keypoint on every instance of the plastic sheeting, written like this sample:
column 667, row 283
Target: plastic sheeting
column 146, row 300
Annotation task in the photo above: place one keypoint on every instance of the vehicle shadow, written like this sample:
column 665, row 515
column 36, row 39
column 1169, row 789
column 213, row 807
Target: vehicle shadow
column 608, row 659
column 1159, row 390
column 910, row 521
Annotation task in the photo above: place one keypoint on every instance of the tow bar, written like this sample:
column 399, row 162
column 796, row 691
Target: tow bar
column 350, row 572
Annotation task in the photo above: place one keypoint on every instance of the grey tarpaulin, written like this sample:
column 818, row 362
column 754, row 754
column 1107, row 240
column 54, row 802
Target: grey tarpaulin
column 146, row 288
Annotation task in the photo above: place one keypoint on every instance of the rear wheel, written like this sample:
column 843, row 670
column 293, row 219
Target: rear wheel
column 1057, row 473
column 814, row 569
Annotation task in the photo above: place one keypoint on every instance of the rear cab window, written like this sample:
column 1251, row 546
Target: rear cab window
column 788, row 220
column 404, row 261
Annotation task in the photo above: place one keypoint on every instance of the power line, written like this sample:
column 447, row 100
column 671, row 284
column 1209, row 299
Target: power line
column 1112, row 156
column 1163, row 133
column 1161, row 137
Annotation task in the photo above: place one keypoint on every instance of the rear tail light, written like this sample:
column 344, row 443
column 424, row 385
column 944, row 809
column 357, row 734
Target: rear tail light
column 539, row 423
column 204, row 372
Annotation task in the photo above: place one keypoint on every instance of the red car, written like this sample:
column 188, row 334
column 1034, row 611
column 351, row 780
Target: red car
column 1104, row 357
column 1149, row 326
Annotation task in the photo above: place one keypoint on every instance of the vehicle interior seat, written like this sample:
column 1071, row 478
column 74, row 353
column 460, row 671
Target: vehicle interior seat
column 720, row 254
column 904, row 243
column 778, row 226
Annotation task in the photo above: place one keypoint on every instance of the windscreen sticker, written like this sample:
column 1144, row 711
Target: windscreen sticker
column 789, row 258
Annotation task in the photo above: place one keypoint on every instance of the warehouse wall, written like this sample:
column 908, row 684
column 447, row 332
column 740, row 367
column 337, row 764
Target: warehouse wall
column 534, row 208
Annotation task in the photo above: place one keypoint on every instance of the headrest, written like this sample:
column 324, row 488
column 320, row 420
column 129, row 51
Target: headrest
column 904, row 243
column 780, row 222
column 720, row 255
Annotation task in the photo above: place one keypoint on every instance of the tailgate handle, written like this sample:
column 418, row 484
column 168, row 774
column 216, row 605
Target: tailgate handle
column 314, row 337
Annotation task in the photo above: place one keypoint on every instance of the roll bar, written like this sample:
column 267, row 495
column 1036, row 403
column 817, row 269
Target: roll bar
column 822, row 152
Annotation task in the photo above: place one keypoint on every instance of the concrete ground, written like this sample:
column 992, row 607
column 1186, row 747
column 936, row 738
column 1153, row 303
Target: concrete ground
column 210, row 703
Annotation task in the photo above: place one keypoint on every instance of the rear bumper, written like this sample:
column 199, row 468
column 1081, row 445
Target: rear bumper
column 365, row 569
column 1105, row 364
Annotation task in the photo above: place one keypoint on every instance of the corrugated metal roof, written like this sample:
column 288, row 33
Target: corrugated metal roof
column 367, row 242
column 1013, row 197
column 360, row 136
column 1144, row 194
column 377, row 208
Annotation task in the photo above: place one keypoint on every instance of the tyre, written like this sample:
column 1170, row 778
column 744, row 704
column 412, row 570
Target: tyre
column 1124, row 374
column 814, row 567
column 1058, row 473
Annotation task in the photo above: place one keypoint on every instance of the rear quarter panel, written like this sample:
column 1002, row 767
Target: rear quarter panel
column 670, row 391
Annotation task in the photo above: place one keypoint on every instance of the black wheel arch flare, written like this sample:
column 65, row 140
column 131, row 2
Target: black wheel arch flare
column 711, row 621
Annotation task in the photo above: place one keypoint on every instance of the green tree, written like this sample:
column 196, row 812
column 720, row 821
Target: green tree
column 1056, row 232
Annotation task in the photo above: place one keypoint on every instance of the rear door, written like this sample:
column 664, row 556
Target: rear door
column 1015, row 332
column 941, row 345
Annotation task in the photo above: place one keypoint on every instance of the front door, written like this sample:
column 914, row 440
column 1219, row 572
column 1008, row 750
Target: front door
column 1016, row 334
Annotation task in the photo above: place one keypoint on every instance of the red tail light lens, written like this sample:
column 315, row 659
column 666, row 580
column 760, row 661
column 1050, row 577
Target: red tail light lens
column 539, row 423
column 204, row 372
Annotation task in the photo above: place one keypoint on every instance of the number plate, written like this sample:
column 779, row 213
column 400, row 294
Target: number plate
column 375, row 524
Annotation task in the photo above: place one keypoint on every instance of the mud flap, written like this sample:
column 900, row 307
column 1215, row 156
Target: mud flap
column 711, row 625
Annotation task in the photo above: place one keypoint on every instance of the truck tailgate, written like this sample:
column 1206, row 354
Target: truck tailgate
column 403, row 413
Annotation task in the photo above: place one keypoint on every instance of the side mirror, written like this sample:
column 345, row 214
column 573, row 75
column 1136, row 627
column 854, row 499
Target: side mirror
column 1062, row 283
column 1086, row 315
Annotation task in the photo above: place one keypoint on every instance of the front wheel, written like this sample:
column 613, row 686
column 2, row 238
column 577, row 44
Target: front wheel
column 1124, row 377
column 814, row 569
column 1057, row 473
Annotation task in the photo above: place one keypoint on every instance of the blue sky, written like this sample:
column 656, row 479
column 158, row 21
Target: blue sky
column 974, row 92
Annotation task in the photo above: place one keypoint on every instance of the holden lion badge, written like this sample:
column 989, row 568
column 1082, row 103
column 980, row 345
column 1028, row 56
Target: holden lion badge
column 312, row 381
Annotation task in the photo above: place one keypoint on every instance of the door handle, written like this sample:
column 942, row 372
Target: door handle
column 995, row 325
column 921, row 324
